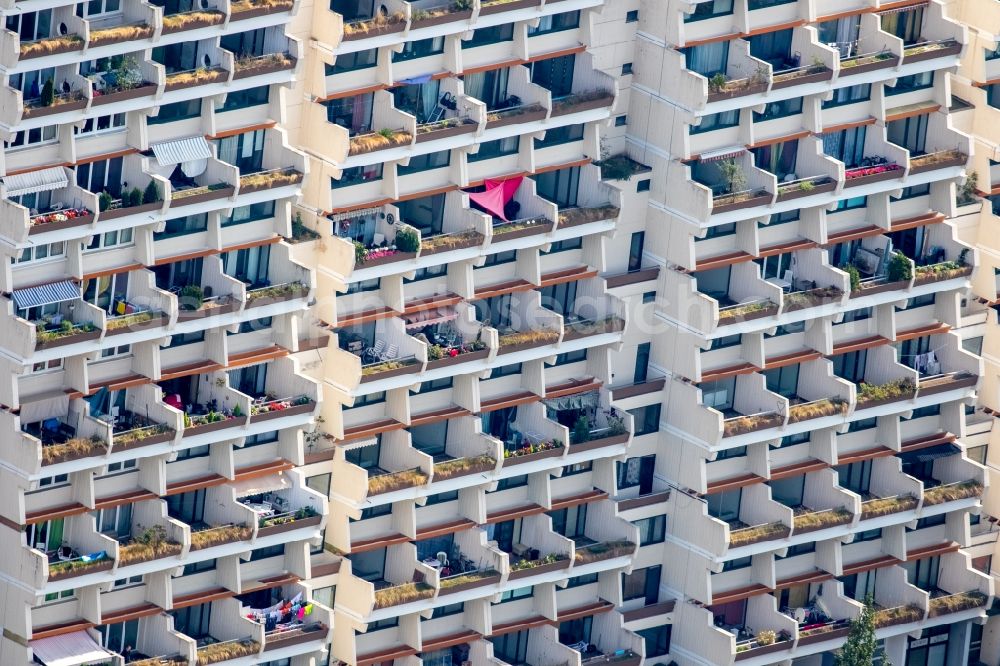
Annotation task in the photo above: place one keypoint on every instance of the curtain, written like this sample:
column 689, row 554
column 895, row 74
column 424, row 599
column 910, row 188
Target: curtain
column 708, row 59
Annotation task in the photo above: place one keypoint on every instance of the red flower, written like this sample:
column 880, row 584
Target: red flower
column 453, row 352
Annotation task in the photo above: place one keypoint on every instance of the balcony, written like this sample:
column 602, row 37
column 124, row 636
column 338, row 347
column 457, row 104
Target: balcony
column 71, row 206
column 240, row 10
column 546, row 553
column 153, row 536
column 84, row 550
column 232, row 636
column 290, row 506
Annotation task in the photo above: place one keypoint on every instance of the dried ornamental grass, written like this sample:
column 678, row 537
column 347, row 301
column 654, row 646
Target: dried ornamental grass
column 402, row 594
column 750, row 535
column 449, row 468
column 50, row 45
column 216, row 536
column 385, row 483
column 218, row 652
column 952, row 492
column 77, row 446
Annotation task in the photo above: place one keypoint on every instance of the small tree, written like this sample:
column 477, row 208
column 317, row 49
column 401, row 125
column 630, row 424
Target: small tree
column 900, row 267
column 104, row 201
column 732, row 174
column 48, row 93
column 861, row 647
column 151, row 193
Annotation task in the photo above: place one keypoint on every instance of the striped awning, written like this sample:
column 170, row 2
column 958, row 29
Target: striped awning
column 354, row 214
column 73, row 649
column 722, row 153
column 191, row 149
column 35, row 181
column 423, row 318
column 45, row 294
column 258, row 485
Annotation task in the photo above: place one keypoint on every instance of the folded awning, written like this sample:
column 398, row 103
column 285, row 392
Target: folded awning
column 191, row 149
column 429, row 317
column 46, row 294
column 931, row 453
column 75, row 649
column 590, row 399
column 497, row 194
column 721, row 154
column 264, row 484
column 35, row 181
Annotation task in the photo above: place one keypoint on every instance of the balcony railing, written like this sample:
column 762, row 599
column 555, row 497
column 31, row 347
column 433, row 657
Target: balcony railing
column 275, row 293
column 262, row 64
column 195, row 77
column 389, row 368
column 380, row 140
column 191, row 20
column 217, row 536
column 955, row 603
column 728, row 201
column 134, row 321
column 811, row 521
column 867, row 62
column 450, row 469
column 391, row 481
column 747, row 536
column 74, row 448
column 952, row 492
column 406, row 593
column 245, row 9
column 150, row 544
column 799, row 75
column 745, row 423
column 931, row 49
column 227, row 650
column 266, row 180
column 60, row 103
column 816, row 409
column 79, row 566
column 884, row 506
column 888, row 617
column 468, row 580
column 50, row 46
column 872, row 395
column 605, row 550
column 120, row 33
column 65, row 334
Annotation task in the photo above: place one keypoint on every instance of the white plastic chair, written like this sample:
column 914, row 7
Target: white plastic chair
column 379, row 348
column 391, row 353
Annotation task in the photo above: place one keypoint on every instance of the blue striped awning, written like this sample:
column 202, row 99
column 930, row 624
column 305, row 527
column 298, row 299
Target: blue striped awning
column 45, row 294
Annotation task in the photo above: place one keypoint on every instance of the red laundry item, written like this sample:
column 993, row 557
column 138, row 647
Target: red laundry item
column 497, row 194
column 174, row 400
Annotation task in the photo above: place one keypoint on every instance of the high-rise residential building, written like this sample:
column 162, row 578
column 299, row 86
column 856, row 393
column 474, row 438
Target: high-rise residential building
column 498, row 332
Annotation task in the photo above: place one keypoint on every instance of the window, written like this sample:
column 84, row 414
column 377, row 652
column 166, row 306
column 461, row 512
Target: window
column 427, row 273
column 419, row 48
column 504, row 370
column 571, row 357
column 905, row 84
column 448, row 609
column 657, row 640
column 914, row 191
column 570, row 522
column 642, row 584
column 251, row 213
column 101, row 124
column 425, row 162
column 849, row 95
column 559, row 187
column 727, row 341
column 34, row 137
column 847, row 145
column 565, row 245
column 707, row 59
column 651, row 530
column 349, row 62
column 497, row 148
column 851, row 204
column 181, row 226
column 974, row 345
column 376, row 511
column 512, row 482
column 709, row 9
column 555, row 23
column 621, row 121
column 586, row 579
column 626, row 69
column 439, row 498
column 647, row 419
column 515, row 594
column 34, row 253
column 636, row 472
column 632, row 16
column 511, row 648
column 498, row 258
column 781, row 109
column 557, row 136
column 93, row 8
column 110, row 239
column 176, row 111
column 641, row 370
column 101, row 175
column 638, row 240
column 578, row 468
column 716, row 121
column 491, row 35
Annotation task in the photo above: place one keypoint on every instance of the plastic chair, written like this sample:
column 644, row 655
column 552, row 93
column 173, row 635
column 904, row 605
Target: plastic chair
column 379, row 348
column 391, row 353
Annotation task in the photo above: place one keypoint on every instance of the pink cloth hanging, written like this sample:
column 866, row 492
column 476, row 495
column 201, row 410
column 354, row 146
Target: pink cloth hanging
column 497, row 194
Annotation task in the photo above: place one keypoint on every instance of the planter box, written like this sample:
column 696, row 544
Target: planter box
column 586, row 105
column 869, row 66
column 635, row 277
column 147, row 33
column 824, row 636
column 764, row 649
column 570, row 333
column 474, row 469
column 739, row 92
column 927, row 278
column 263, row 300
column 531, row 457
column 846, row 520
column 813, row 302
column 215, row 75
column 83, row 336
column 103, row 565
column 117, row 213
column 755, row 200
column 189, row 315
column 508, row 6
column 294, row 410
column 643, row 500
column 958, row 160
column 771, row 536
column 375, row 31
column 210, row 195
column 388, row 259
column 769, row 311
column 68, row 47
column 249, row 189
column 445, row 132
column 80, row 221
column 534, row 230
column 258, row 11
column 72, row 455
column 461, row 358
column 482, row 582
column 540, row 569
column 466, row 243
column 155, row 322
column 174, row 552
column 217, row 19
column 884, row 401
column 441, row 20
column 874, row 178
column 510, row 349
column 799, row 193
column 38, row 111
column 295, row 636
column 191, row 431
column 148, row 441
column 949, row 50
column 599, row 443
column 814, row 77
column 410, row 369
column 951, row 385
column 880, row 288
column 122, row 95
column 896, row 621
column 247, row 72
column 514, row 119
column 288, row 527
